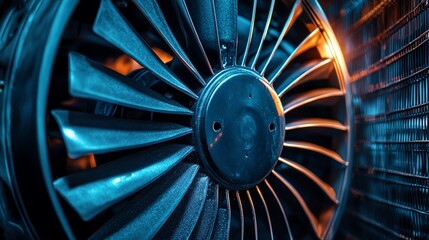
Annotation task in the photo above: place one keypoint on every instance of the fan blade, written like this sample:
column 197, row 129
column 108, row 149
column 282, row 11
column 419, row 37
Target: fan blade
column 89, row 79
column 223, row 218
column 85, row 133
column 311, row 96
column 153, row 13
column 150, row 209
column 293, row 16
column 182, row 221
column 251, row 31
column 92, row 191
column 326, row 188
column 203, row 13
column 204, row 227
column 264, row 34
column 281, row 208
column 227, row 16
column 316, row 148
column 309, row 42
column 266, row 211
column 255, row 222
column 315, row 123
column 113, row 27
column 317, row 69
column 195, row 46
column 310, row 216
column 240, row 206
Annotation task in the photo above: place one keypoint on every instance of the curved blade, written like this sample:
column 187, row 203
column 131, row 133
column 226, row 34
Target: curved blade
column 89, row 79
column 240, row 208
column 195, row 46
column 85, row 133
column 153, row 13
column 326, row 188
column 204, row 227
column 317, row 69
column 92, row 191
column 266, row 211
column 255, row 220
column 203, row 13
column 250, row 35
column 281, row 208
column 223, row 218
column 309, row 42
column 264, row 34
column 182, row 221
column 150, row 209
column 293, row 16
column 316, row 148
column 310, row 216
column 311, row 96
column 316, row 123
column 113, row 27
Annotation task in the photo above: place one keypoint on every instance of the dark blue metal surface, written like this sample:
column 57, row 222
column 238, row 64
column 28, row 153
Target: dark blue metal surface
column 240, row 125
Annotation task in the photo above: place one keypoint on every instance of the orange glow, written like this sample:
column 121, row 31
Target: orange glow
column 164, row 56
column 324, row 50
column 125, row 64
column 216, row 139
column 82, row 163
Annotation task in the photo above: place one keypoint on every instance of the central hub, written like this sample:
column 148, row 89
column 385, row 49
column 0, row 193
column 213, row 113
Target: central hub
column 239, row 128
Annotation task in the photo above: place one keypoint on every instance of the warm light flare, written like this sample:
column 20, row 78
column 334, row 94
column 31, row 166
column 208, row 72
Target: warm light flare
column 124, row 64
column 82, row 163
column 324, row 50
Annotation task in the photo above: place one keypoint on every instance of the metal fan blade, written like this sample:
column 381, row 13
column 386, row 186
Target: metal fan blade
column 255, row 221
column 227, row 15
column 281, row 208
column 293, row 16
column 203, row 13
column 92, row 191
column 223, row 218
column 311, row 96
column 195, row 46
column 85, row 133
column 89, row 79
column 266, row 211
column 149, row 210
column 264, row 34
column 182, row 221
column 310, row 216
column 309, row 42
column 326, row 188
column 113, row 27
column 153, row 13
column 316, row 123
column 240, row 206
column 204, row 227
column 317, row 69
column 316, row 148
column 251, row 31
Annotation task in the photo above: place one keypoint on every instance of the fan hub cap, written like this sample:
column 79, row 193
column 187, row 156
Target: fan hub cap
column 239, row 128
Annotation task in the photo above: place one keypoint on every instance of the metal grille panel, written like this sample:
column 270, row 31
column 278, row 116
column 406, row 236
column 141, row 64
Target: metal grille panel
column 387, row 52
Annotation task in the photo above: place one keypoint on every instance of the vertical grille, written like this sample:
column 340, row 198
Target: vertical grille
column 386, row 44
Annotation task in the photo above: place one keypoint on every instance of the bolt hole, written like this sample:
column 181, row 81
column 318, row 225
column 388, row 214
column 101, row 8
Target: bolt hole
column 217, row 126
column 272, row 127
column 250, row 95
column 246, row 155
